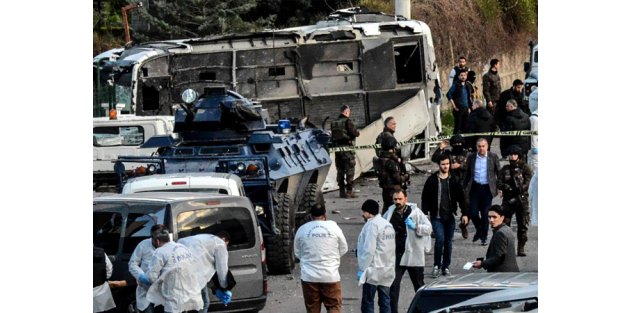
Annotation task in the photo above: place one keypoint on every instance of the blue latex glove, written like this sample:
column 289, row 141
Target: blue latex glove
column 359, row 273
column 410, row 223
column 143, row 279
column 220, row 294
column 227, row 297
column 535, row 150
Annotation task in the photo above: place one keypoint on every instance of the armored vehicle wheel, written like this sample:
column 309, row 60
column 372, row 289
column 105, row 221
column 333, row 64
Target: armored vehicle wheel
column 280, row 252
column 312, row 196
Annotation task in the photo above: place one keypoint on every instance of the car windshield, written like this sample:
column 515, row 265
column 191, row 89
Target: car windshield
column 132, row 222
column 236, row 221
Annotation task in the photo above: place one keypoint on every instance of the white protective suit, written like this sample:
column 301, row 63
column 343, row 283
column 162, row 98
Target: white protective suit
column 102, row 299
column 532, row 157
column 211, row 252
column 174, row 283
column 376, row 252
column 139, row 264
column 319, row 245
column 419, row 240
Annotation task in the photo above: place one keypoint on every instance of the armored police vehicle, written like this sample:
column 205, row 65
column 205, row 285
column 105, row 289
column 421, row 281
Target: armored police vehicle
column 282, row 167
column 380, row 65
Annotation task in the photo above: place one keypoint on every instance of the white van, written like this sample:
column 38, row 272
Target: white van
column 123, row 136
column 215, row 183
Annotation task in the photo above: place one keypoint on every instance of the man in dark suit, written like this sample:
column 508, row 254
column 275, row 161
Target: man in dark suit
column 481, row 186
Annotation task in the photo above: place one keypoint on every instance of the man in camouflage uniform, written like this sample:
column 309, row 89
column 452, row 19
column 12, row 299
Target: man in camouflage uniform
column 513, row 183
column 392, row 174
column 343, row 134
column 458, row 154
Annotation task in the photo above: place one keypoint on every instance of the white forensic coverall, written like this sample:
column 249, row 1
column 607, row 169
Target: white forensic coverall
column 419, row 240
column 138, row 265
column 376, row 251
column 319, row 245
column 174, row 283
column 102, row 299
column 211, row 252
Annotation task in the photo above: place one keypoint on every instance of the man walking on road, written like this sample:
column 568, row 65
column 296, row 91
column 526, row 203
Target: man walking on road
column 481, row 186
column 413, row 239
column 513, row 185
column 376, row 255
column 319, row 245
column 440, row 197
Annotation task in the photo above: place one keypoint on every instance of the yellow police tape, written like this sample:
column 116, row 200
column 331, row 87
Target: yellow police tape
column 437, row 139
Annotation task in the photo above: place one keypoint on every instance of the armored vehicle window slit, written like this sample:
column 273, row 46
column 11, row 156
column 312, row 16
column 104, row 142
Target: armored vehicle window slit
column 207, row 76
column 150, row 98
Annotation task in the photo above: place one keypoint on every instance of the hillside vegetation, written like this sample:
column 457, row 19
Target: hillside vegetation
column 477, row 29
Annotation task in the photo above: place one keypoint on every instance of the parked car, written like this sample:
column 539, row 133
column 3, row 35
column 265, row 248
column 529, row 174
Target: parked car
column 120, row 222
column 524, row 299
column 450, row 290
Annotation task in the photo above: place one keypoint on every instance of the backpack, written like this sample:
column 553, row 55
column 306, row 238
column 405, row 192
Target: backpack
column 338, row 130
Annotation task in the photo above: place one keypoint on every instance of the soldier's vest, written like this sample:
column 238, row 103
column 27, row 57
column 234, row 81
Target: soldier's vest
column 338, row 130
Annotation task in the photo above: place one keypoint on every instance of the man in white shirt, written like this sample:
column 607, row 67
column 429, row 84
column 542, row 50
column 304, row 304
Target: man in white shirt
column 376, row 253
column 319, row 244
column 138, row 265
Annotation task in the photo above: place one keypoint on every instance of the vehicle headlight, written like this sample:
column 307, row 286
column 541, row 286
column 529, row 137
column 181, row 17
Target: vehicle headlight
column 189, row 96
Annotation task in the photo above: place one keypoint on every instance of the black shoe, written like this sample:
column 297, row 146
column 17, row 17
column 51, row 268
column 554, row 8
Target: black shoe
column 476, row 237
column 464, row 230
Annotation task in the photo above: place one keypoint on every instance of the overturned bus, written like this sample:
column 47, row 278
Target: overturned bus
column 380, row 65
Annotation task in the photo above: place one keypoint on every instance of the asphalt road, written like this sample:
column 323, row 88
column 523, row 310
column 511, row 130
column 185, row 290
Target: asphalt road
column 285, row 290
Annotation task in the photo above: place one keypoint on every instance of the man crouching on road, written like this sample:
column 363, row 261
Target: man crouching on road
column 376, row 253
column 319, row 244
column 413, row 238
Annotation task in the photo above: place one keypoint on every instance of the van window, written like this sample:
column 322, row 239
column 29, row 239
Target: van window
column 108, row 227
column 112, row 136
column 236, row 221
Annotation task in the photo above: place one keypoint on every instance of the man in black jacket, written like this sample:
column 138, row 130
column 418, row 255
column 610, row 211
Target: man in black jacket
column 492, row 85
column 501, row 256
column 343, row 134
column 516, row 93
column 440, row 197
column 515, row 119
column 480, row 120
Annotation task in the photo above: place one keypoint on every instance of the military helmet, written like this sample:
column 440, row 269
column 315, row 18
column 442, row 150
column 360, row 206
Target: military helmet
column 515, row 149
column 457, row 139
